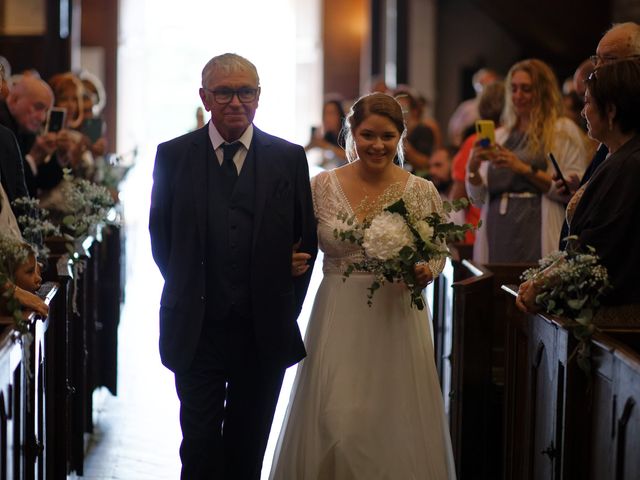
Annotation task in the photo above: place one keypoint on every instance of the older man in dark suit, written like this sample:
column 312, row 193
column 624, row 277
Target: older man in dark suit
column 229, row 202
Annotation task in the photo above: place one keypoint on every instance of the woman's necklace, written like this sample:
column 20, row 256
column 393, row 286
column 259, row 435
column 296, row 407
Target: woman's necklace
column 378, row 194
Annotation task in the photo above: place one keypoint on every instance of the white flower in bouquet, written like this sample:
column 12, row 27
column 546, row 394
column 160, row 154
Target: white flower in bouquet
column 386, row 236
column 424, row 230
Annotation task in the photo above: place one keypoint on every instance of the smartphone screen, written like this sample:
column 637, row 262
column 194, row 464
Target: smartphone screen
column 55, row 119
column 92, row 128
column 486, row 132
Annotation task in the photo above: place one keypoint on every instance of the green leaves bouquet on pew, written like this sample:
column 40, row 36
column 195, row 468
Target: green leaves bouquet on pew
column 394, row 241
column 571, row 284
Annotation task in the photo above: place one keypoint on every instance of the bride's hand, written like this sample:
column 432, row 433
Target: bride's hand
column 299, row 260
column 423, row 274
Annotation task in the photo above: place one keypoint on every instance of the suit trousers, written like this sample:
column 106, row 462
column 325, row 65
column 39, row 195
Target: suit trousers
column 227, row 398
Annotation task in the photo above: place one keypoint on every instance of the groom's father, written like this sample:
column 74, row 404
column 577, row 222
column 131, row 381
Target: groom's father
column 228, row 204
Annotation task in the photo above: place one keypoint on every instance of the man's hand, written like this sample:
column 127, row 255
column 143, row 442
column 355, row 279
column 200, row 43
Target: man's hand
column 44, row 146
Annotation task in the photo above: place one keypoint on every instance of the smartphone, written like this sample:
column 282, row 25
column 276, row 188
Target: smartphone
column 313, row 132
column 556, row 167
column 55, row 119
column 485, row 129
column 92, row 128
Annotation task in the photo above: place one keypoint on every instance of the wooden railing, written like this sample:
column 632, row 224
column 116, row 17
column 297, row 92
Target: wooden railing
column 47, row 384
column 562, row 423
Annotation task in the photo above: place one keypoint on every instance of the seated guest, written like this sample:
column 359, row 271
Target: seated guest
column 605, row 212
column 521, row 222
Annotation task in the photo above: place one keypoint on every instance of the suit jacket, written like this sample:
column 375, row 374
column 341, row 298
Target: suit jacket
column 11, row 171
column 178, row 227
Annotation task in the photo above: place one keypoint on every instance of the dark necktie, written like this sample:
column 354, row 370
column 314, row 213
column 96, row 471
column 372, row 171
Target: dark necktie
column 229, row 171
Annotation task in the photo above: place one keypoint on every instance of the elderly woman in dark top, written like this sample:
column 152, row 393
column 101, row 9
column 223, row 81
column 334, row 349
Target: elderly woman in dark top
column 605, row 212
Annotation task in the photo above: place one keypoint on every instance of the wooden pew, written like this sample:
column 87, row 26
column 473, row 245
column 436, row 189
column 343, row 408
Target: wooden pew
column 559, row 424
column 11, row 403
column 110, row 261
column 59, row 390
column 469, row 340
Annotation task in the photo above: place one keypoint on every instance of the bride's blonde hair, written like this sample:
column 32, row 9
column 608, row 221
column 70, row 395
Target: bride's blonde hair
column 373, row 104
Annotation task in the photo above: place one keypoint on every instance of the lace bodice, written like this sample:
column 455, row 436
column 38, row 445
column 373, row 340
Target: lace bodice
column 420, row 196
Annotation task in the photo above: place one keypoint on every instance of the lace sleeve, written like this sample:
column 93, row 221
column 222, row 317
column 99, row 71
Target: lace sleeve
column 422, row 199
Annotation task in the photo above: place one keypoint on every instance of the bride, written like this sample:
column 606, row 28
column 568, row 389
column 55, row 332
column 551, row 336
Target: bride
column 366, row 402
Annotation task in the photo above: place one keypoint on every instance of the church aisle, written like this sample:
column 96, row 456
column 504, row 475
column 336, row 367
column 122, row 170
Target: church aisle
column 137, row 433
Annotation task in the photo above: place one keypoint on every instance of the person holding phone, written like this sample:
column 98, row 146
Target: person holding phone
column 521, row 219
column 329, row 138
column 24, row 112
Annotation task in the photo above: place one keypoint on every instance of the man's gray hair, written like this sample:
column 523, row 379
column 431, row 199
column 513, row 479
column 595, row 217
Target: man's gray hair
column 228, row 63
column 634, row 31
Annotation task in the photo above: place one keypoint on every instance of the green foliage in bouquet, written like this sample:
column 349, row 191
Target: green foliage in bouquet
column 394, row 241
column 571, row 284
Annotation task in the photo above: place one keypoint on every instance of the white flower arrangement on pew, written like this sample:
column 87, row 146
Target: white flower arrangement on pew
column 571, row 284
column 86, row 205
column 394, row 241
column 34, row 223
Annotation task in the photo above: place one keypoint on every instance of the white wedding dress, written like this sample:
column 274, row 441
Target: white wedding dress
column 366, row 402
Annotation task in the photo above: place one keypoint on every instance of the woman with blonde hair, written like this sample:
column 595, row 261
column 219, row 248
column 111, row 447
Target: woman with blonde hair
column 521, row 215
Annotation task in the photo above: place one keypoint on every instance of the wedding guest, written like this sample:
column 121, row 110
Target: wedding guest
column 421, row 139
column 490, row 107
column 621, row 41
column 366, row 401
column 228, row 203
column 605, row 212
column 24, row 112
column 465, row 114
column 521, row 219
column 72, row 147
column 22, row 265
column 21, row 272
column 329, row 138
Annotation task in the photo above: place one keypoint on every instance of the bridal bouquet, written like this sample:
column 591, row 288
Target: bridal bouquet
column 394, row 241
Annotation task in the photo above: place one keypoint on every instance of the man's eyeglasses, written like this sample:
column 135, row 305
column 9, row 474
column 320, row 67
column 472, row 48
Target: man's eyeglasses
column 225, row 95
